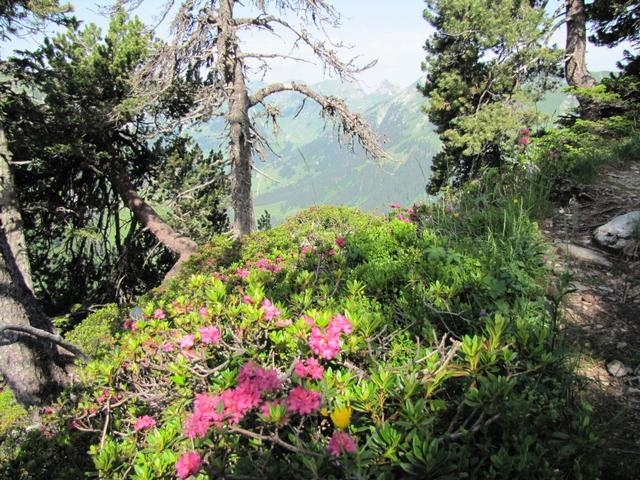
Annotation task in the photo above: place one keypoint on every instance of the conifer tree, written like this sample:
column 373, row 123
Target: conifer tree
column 615, row 21
column 486, row 62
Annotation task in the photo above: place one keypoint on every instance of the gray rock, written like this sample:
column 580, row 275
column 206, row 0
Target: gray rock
column 618, row 369
column 585, row 254
column 619, row 232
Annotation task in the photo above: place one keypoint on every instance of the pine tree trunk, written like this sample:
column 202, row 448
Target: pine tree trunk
column 10, row 216
column 184, row 247
column 576, row 72
column 33, row 369
column 239, row 124
column 244, row 221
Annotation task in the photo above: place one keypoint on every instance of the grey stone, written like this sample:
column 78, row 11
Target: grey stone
column 618, row 233
column 585, row 254
column 618, row 369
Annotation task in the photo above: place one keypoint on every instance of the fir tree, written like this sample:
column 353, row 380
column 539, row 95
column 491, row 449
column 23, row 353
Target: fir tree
column 485, row 62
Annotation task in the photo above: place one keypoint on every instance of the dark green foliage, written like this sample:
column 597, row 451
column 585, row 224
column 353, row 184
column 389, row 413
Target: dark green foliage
column 85, row 246
column 42, row 454
column 264, row 222
column 485, row 63
column 577, row 153
column 191, row 188
column 18, row 15
column 615, row 21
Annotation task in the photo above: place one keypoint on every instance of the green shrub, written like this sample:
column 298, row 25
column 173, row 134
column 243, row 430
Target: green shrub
column 95, row 334
column 427, row 340
column 577, row 153
column 10, row 411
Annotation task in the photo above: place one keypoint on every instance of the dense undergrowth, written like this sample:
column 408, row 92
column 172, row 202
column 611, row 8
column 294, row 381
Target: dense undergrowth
column 426, row 344
column 339, row 345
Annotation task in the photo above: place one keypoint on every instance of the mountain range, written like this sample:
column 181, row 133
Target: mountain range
column 309, row 166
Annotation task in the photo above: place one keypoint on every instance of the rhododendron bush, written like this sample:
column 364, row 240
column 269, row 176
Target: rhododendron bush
column 339, row 345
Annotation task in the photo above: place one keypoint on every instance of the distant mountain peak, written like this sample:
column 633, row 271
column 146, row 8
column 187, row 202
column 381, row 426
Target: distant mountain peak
column 386, row 88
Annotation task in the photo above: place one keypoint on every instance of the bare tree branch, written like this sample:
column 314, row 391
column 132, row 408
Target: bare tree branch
column 36, row 332
column 350, row 124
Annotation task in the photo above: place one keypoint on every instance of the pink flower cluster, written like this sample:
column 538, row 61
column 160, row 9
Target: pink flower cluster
column 309, row 368
column 188, row 464
column 268, row 265
column 341, row 442
column 231, row 405
column 210, row 335
column 303, row 401
column 403, row 218
column 270, row 310
column 186, row 342
column 242, row 273
column 524, row 140
column 158, row 314
column 143, row 423
column 327, row 344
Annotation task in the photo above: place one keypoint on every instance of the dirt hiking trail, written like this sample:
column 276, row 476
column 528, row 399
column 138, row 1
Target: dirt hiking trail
column 602, row 315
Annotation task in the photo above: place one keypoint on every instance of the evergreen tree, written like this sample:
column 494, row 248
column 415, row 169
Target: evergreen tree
column 86, row 173
column 486, row 62
column 30, row 362
column 615, row 21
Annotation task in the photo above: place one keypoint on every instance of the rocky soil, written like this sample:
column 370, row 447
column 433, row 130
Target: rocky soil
column 602, row 316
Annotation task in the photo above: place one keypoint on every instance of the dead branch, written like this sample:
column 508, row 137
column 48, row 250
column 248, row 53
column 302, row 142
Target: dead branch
column 349, row 124
column 43, row 334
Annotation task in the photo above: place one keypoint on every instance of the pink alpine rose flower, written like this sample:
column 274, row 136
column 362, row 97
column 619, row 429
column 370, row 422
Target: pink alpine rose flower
column 242, row 273
column 270, row 310
column 303, row 401
column 341, row 242
column 341, row 442
column 188, row 464
column 158, row 314
column 186, row 342
column 247, row 299
column 168, row 347
column 324, row 345
column 339, row 324
column 143, row 423
column 309, row 368
column 263, row 263
column 210, row 335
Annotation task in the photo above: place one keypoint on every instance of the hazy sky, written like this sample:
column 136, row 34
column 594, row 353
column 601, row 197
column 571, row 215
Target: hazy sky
column 393, row 32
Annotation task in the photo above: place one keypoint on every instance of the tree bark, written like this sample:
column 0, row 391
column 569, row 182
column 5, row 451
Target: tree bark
column 10, row 216
column 183, row 246
column 32, row 367
column 576, row 72
column 241, row 162
column 239, row 123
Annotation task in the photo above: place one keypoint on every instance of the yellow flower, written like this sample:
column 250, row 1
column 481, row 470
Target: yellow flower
column 456, row 215
column 341, row 417
column 324, row 412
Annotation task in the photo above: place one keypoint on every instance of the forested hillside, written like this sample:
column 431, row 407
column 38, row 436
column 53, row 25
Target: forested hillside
column 186, row 288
